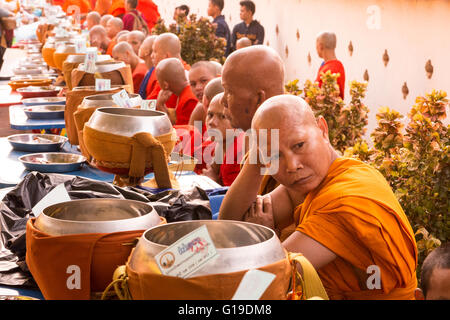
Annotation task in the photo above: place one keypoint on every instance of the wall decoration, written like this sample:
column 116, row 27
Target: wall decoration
column 429, row 69
column 350, row 48
column 366, row 76
column 385, row 58
column 405, row 90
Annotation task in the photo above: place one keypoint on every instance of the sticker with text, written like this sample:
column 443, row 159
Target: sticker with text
column 187, row 255
column 102, row 84
column 122, row 99
column 253, row 285
column 80, row 46
column 148, row 104
column 90, row 60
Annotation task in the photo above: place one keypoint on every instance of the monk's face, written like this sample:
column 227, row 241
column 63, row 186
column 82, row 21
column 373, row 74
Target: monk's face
column 304, row 152
column 145, row 53
column 122, row 56
column 112, row 29
column 97, row 39
column 216, row 119
column 439, row 285
column 198, row 79
column 135, row 42
column 158, row 53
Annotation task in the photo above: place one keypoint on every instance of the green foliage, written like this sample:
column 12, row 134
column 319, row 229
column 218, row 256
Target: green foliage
column 293, row 88
column 197, row 37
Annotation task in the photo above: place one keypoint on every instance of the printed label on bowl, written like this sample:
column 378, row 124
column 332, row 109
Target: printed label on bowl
column 148, row 104
column 102, row 84
column 187, row 255
column 121, row 99
column 80, row 46
column 90, row 60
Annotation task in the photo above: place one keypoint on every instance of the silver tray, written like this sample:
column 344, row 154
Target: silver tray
column 51, row 111
column 52, row 162
column 30, row 142
column 44, row 101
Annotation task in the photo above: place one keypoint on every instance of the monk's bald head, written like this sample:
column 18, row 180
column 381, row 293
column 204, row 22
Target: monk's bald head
column 135, row 39
column 93, row 18
column 98, row 37
column 124, row 52
column 327, row 39
column 97, row 30
column 218, row 67
column 104, row 19
column 250, row 76
column 166, row 45
column 243, row 43
column 213, row 88
column 171, row 75
column 146, row 49
column 113, row 27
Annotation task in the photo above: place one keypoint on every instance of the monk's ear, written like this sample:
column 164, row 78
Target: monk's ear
column 323, row 126
column 418, row 294
column 261, row 97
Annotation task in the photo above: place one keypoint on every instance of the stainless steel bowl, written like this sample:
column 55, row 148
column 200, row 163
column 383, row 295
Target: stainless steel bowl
column 105, row 66
column 106, row 100
column 127, row 122
column 30, row 142
column 44, row 101
column 240, row 245
column 49, row 111
column 97, row 216
column 80, row 58
column 49, row 162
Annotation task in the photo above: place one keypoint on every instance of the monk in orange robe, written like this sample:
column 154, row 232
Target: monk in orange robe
column 117, row 8
column 172, row 79
column 349, row 224
column 125, row 53
column 102, row 6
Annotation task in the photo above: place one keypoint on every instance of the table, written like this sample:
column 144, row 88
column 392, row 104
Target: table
column 18, row 120
column 8, row 97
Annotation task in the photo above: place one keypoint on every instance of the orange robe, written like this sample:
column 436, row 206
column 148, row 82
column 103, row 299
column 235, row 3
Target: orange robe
column 117, row 8
column 138, row 75
column 84, row 5
column 111, row 46
column 102, row 6
column 186, row 104
column 355, row 214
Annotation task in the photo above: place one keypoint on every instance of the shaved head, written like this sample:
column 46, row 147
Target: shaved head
column 327, row 39
column 213, row 88
column 105, row 18
column 113, row 27
column 200, row 74
column 146, row 49
column 135, row 39
column 125, row 53
column 171, row 75
column 243, row 43
column 98, row 38
column 92, row 19
column 166, row 45
column 250, row 76
column 218, row 67
column 122, row 47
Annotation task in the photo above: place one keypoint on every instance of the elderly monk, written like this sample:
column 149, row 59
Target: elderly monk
column 104, row 20
column 98, row 38
column 113, row 27
column 172, row 79
column 200, row 75
column 93, row 18
column 166, row 45
column 243, row 43
column 124, row 52
column 135, row 39
column 349, row 224
column 325, row 47
column 250, row 76
column 145, row 53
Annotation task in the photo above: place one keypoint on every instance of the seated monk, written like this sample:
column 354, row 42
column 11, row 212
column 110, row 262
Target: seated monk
column 225, row 169
column 124, row 52
column 166, row 45
column 104, row 20
column 349, row 224
column 243, row 43
column 145, row 53
column 172, row 79
column 212, row 88
column 92, row 19
column 113, row 28
column 200, row 74
column 122, row 36
column 135, row 39
column 98, row 38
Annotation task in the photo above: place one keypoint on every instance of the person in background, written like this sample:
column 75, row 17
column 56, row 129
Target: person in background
column 104, row 20
column 435, row 275
column 124, row 52
column 215, row 8
column 3, row 43
column 135, row 39
column 249, row 27
column 182, row 11
column 113, row 27
column 99, row 38
column 243, row 43
column 145, row 53
column 93, row 19
column 133, row 19
column 172, row 80
column 326, row 46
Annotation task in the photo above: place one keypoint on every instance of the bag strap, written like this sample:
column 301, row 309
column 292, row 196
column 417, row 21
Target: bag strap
column 311, row 285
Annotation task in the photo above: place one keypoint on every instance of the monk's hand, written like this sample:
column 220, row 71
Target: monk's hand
column 163, row 97
column 211, row 173
column 261, row 212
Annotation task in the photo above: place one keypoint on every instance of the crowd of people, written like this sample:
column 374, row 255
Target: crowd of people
column 340, row 213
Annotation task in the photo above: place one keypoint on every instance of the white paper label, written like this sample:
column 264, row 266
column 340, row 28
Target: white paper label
column 253, row 285
column 121, row 99
column 80, row 46
column 102, row 84
column 188, row 254
column 148, row 104
column 90, row 60
column 57, row 195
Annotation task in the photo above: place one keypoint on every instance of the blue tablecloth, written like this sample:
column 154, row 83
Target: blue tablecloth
column 19, row 121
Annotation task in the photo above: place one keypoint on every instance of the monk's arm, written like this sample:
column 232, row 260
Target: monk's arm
column 314, row 251
column 242, row 193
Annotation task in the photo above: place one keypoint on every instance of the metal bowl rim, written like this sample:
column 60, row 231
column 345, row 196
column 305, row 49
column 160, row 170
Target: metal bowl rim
column 9, row 138
column 80, row 157
column 103, row 109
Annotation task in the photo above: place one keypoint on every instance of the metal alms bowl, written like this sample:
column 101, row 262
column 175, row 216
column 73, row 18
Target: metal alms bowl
column 106, row 100
column 97, row 216
column 31, row 142
column 240, row 245
column 52, row 162
column 127, row 122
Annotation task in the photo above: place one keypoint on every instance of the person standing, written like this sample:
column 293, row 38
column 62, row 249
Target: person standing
column 215, row 8
column 249, row 27
column 133, row 20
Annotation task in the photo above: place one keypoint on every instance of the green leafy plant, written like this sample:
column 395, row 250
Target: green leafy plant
column 197, row 37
